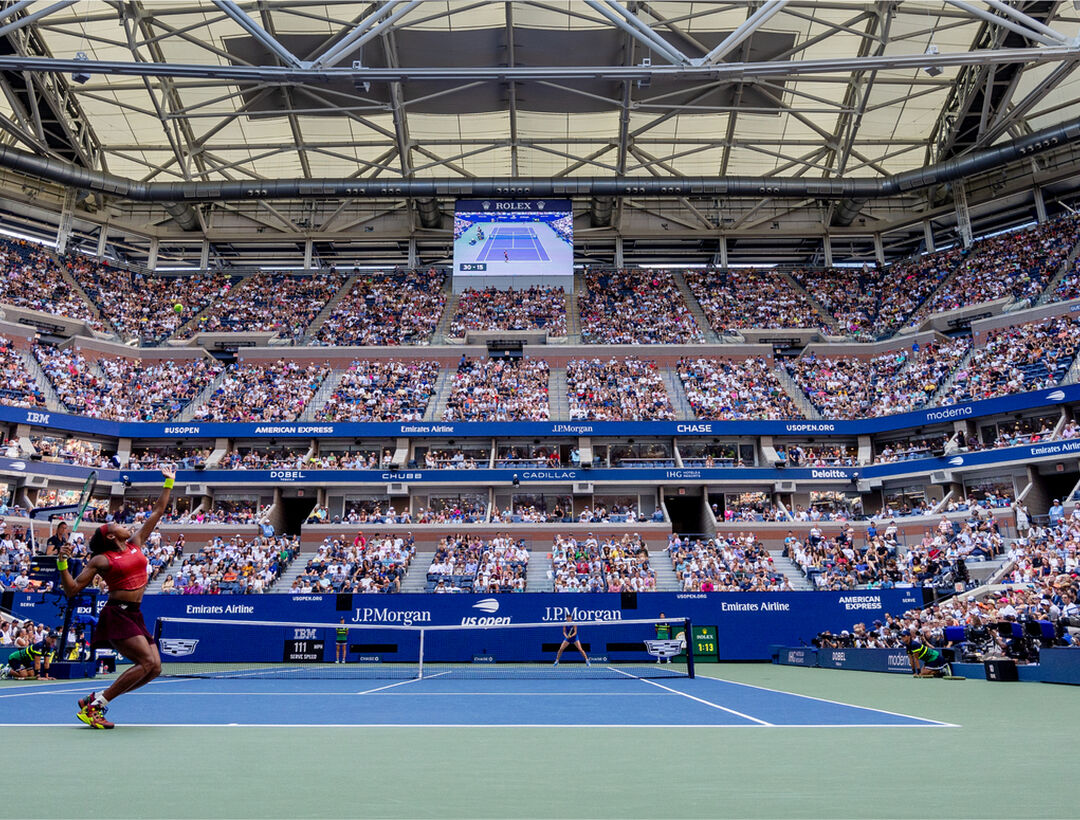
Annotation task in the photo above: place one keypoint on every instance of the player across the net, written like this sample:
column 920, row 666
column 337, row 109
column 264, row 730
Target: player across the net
column 193, row 647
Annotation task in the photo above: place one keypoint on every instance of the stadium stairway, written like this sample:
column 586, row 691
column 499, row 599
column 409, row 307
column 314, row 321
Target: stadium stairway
column 328, row 308
column 78, row 289
column 665, row 573
column 188, row 413
column 437, row 405
column 679, row 403
column 443, row 327
column 946, row 386
column 52, row 401
column 802, row 401
column 799, row 582
column 1051, row 287
column 695, row 309
column 558, row 402
column 293, row 571
column 573, row 315
column 324, row 392
column 818, row 307
column 538, row 572
column 416, row 577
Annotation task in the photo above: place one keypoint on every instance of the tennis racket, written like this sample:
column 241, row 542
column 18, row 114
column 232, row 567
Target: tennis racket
column 84, row 498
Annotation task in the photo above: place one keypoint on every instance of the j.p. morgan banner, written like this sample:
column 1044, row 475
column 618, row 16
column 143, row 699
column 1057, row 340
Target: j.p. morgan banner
column 748, row 623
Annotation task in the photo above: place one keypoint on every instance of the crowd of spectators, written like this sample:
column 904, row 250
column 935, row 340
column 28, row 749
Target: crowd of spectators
column 534, row 308
column 1017, row 265
column 635, row 307
column 283, row 303
column 237, row 565
column 1017, row 359
column 906, row 284
column 397, row 309
column 617, row 390
column 724, row 563
column 17, row 387
column 456, row 459
column 720, row 388
column 122, row 389
column 269, row 391
column 851, row 296
column 848, row 387
column 382, row 391
column 143, row 306
column 30, row 278
column 452, row 512
column 836, row 562
column 761, row 509
column 749, row 298
column 608, row 564
column 70, row 451
column 470, row 563
column 818, row 455
column 363, row 565
column 499, row 390
column 183, row 458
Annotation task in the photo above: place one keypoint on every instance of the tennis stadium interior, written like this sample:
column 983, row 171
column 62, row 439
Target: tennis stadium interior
column 744, row 337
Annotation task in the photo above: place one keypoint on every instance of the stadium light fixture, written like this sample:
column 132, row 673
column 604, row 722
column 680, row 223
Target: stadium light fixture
column 932, row 70
column 81, row 76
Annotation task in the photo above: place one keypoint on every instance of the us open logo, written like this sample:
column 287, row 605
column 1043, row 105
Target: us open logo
column 488, row 605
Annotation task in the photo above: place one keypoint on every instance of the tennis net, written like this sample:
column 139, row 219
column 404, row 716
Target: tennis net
column 192, row 647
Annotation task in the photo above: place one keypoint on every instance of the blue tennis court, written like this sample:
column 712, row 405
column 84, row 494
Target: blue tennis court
column 513, row 244
column 436, row 701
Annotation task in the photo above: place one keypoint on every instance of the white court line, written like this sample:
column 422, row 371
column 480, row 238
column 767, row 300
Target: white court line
column 88, row 686
column 400, row 683
column 414, row 694
column 75, row 725
column 834, row 702
column 693, row 697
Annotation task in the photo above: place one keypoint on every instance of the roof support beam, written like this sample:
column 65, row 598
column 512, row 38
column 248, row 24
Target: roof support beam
column 629, row 22
column 744, row 31
column 1011, row 25
column 367, row 29
column 1028, row 21
column 240, row 17
column 35, row 15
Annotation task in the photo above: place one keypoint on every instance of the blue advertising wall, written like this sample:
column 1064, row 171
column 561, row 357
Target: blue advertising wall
column 197, row 429
column 748, row 623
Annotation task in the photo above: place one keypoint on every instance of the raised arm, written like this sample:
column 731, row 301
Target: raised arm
column 159, row 507
column 72, row 585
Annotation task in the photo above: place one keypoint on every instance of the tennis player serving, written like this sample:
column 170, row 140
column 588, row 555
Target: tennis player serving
column 117, row 556
column 570, row 636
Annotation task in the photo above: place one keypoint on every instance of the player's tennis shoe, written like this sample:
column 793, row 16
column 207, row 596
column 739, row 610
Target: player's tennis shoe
column 92, row 715
column 5, row 672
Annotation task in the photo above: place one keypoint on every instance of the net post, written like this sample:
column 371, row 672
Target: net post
column 420, row 662
column 688, row 631
column 157, row 633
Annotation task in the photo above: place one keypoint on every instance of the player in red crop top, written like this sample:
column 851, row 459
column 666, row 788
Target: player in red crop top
column 117, row 556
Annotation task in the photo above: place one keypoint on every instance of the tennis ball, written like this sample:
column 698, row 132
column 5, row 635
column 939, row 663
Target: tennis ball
column 179, row 308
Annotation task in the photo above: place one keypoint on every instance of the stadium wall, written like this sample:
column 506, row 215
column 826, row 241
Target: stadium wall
column 748, row 624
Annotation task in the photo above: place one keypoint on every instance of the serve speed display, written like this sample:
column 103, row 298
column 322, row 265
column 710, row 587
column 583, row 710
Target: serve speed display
column 304, row 651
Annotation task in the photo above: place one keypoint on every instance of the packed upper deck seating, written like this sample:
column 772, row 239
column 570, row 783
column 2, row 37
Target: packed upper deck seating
column 499, row 390
column 265, row 391
column 616, row 390
column 906, row 284
column 749, row 298
column 846, row 387
column 239, row 565
column 30, row 278
column 724, row 563
column 279, row 302
column 720, row 388
column 851, row 296
column 1017, row 359
column 635, row 307
column 382, row 390
column 1017, row 264
column 402, row 308
column 153, row 390
column 604, row 564
column 17, row 387
column 360, row 564
column 143, row 306
column 534, row 308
